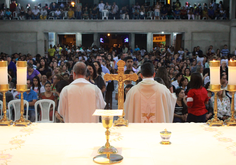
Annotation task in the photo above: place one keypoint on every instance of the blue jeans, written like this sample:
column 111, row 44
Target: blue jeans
column 35, row 16
column 78, row 14
column 31, row 114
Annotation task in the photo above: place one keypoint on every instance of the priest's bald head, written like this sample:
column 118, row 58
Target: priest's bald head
column 79, row 70
column 147, row 70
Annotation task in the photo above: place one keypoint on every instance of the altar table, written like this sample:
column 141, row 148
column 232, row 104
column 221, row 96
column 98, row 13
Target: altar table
column 139, row 144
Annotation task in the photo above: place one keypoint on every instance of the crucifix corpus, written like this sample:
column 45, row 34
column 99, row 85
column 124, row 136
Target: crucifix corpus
column 121, row 78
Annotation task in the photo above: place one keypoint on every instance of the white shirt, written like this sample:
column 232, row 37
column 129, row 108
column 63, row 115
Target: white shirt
column 175, row 84
column 44, row 12
column 35, row 11
column 101, row 6
column 58, row 12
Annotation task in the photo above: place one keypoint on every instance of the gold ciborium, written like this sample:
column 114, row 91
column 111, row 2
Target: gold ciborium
column 165, row 136
column 108, row 155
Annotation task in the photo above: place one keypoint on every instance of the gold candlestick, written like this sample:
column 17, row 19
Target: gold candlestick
column 22, row 121
column 4, row 121
column 215, row 121
column 231, row 121
column 108, row 156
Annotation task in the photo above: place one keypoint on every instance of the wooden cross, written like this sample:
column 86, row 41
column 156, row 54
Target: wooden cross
column 121, row 78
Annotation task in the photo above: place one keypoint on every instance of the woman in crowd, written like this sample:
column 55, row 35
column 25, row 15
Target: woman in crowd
column 209, row 105
column 183, row 83
column 48, row 95
column 31, row 72
column 95, row 77
column 196, row 99
column 110, row 85
column 98, row 69
column 64, row 69
column 162, row 73
column 43, row 67
column 181, row 111
column 36, row 86
column 223, row 105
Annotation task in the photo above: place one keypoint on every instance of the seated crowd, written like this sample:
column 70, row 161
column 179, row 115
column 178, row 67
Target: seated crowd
column 78, row 10
column 46, row 76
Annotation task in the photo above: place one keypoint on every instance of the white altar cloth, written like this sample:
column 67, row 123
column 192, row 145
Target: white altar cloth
column 139, row 144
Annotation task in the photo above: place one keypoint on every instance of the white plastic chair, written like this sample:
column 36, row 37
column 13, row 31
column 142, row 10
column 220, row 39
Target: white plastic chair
column 1, row 104
column 15, row 15
column 105, row 14
column 149, row 15
column 16, row 107
column 51, row 15
column 65, row 15
column 45, row 106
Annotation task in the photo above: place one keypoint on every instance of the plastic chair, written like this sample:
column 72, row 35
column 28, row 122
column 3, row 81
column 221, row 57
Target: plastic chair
column 1, row 104
column 51, row 15
column 16, row 107
column 149, row 15
column 65, row 15
column 105, row 14
column 15, row 15
column 45, row 106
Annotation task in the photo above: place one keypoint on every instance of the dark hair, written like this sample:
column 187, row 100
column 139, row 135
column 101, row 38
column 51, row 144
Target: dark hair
column 128, row 58
column 181, row 81
column 207, row 85
column 100, row 68
column 128, row 71
column 162, row 73
column 60, row 85
column 205, row 71
column 177, row 91
column 45, row 66
column 39, row 85
column 185, row 71
column 177, row 75
column 94, row 70
column 127, row 86
column 48, row 74
column 147, row 69
column 159, row 80
column 185, row 108
column 196, row 81
column 221, row 76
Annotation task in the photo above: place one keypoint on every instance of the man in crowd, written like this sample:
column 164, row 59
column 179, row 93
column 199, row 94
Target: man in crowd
column 80, row 99
column 149, row 101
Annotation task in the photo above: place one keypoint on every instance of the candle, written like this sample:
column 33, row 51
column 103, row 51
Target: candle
column 21, row 72
column 215, row 72
column 3, row 73
column 232, row 72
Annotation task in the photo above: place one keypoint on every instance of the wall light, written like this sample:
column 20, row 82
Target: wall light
column 162, row 32
column 108, row 34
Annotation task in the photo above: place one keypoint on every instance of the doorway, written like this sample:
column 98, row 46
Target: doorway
column 68, row 40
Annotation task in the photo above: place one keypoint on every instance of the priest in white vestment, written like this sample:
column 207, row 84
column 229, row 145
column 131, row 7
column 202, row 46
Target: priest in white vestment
column 149, row 101
column 80, row 99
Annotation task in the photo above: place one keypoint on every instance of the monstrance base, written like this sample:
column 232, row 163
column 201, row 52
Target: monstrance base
column 103, row 159
column 121, row 122
column 104, row 150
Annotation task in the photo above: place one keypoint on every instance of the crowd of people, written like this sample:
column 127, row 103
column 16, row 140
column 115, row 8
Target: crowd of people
column 77, row 10
column 185, row 73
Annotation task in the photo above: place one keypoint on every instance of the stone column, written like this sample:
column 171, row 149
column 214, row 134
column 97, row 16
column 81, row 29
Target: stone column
column 96, row 39
column 7, row 3
column 232, row 39
column 78, row 39
column 96, row 2
column 132, row 40
column 40, row 43
column 51, row 38
column 232, row 7
column 149, row 42
column 188, row 40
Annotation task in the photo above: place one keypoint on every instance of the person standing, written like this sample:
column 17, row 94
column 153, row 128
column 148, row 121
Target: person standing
column 78, row 8
column 83, row 93
column 149, row 101
column 196, row 99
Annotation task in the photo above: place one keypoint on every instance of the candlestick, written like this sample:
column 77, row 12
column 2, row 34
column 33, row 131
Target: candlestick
column 22, row 87
column 215, row 72
column 3, row 72
column 215, row 87
column 232, row 72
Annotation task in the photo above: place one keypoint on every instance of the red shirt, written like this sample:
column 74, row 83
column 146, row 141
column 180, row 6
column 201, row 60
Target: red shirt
column 196, row 101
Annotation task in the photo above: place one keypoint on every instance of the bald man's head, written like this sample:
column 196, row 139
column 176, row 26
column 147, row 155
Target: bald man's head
column 80, row 69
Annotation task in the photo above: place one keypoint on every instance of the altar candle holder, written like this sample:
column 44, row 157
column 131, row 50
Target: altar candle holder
column 232, row 88
column 4, row 87
column 215, row 87
column 108, row 156
column 22, row 87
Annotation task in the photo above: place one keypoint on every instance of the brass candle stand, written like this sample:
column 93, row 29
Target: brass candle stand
column 22, row 121
column 231, row 121
column 108, row 155
column 4, row 121
column 215, row 121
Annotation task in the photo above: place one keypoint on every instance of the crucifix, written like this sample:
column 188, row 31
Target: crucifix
column 121, row 78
